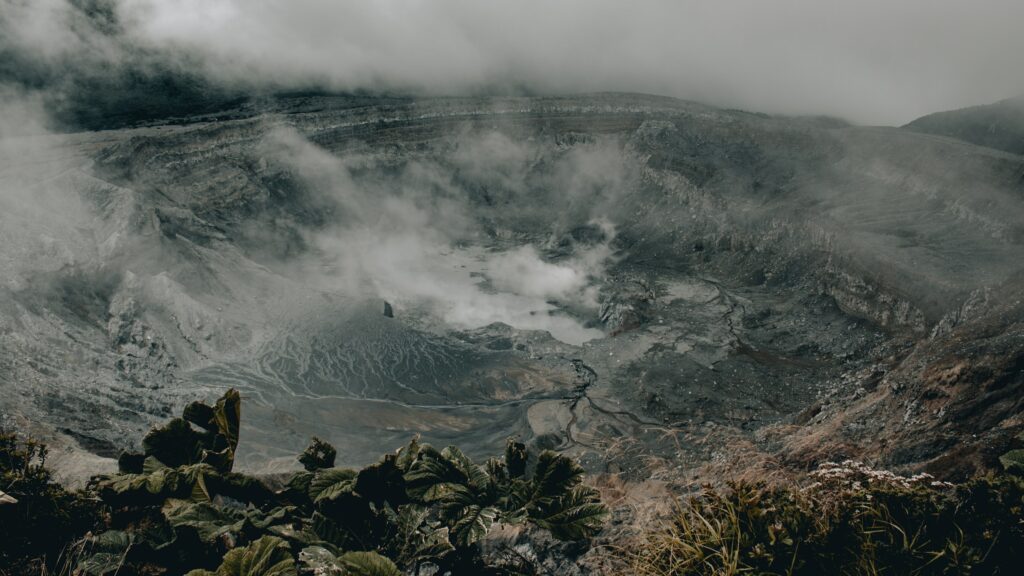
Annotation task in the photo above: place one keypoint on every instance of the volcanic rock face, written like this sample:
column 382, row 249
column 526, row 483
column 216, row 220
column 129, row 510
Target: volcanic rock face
column 815, row 290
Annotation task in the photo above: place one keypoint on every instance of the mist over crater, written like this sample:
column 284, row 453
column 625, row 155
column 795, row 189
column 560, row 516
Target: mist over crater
column 598, row 274
column 461, row 287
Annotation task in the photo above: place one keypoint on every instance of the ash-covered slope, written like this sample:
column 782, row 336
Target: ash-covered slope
column 999, row 125
column 949, row 403
column 614, row 275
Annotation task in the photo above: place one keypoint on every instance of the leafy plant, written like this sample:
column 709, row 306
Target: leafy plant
column 177, row 506
column 320, row 561
column 178, row 443
column 318, row 455
column 415, row 538
column 470, row 498
column 367, row 564
column 38, row 518
column 463, row 494
column 268, row 556
column 106, row 553
column 1013, row 461
column 555, row 499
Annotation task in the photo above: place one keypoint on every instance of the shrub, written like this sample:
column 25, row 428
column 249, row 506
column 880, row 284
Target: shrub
column 178, row 508
column 850, row 519
column 38, row 518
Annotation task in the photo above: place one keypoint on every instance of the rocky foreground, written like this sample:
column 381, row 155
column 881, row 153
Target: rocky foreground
column 178, row 508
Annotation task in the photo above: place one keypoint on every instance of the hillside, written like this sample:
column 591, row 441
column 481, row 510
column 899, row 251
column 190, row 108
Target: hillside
column 999, row 125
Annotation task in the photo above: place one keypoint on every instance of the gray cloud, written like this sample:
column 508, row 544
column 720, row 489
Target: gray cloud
column 409, row 232
column 42, row 218
column 872, row 61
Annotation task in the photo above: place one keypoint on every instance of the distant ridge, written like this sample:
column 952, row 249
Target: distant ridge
column 999, row 125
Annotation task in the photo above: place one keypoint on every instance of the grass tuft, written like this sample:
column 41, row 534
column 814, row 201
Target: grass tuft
column 847, row 519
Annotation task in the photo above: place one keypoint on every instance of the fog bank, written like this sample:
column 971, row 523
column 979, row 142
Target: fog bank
column 870, row 61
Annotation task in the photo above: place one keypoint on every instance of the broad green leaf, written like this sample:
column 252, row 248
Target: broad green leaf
column 193, row 480
column 462, row 492
column 436, row 475
column 497, row 470
column 208, row 521
column 200, row 414
column 228, row 416
column 555, row 475
column 367, row 564
column 177, row 443
column 475, row 476
column 577, row 515
column 409, row 518
column 200, row 493
column 472, row 524
column 223, row 459
column 429, row 476
column 382, row 482
column 328, row 530
column 162, row 482
column 174, row 444
column 151, row 464
column 331, row 483
column 414, row 539
column 238, row 486
column 408, row 455
column 303, row 537
column 118, row 484
column 434, row 545
column 263, row 520
column 322, row 562
column 105, row 553
column 268, row 556
column 153, row 487
column 300, row 482
column 1013, row 462
column 319, row 561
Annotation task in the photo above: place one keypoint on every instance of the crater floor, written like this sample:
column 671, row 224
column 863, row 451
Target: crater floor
column 719, row 280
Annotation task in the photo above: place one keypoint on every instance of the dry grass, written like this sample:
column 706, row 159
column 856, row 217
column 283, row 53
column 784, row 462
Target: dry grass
column 67, row 562
column 846, row 519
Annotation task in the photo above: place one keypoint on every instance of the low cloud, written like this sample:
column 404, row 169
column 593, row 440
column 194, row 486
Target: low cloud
column 871, row 61
column 431, row 232
column 408, row 238
column 523, row 272
column 42, row 217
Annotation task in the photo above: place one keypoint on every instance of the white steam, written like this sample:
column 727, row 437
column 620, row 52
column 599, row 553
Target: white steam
column 42, row 218
column 404, row 240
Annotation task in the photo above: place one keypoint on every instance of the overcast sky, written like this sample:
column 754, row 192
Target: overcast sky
column 871, row 61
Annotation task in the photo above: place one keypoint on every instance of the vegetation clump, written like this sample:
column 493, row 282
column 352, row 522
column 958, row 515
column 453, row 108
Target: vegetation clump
column 34, row 509
column 850, row 519
column 178, row 508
